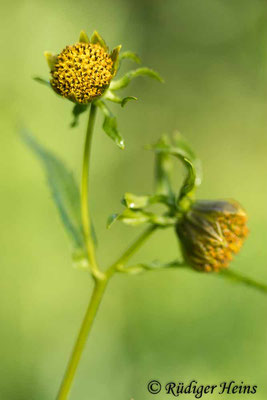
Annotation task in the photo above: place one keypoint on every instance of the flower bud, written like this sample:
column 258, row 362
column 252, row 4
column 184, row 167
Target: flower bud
column 82, row 72
column 211, row 232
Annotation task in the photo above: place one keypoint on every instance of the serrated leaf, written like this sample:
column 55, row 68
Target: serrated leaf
column 129, row 76
column 110, row 125
column 63, row 188
column 77, row 110
column 83, row 37
column 97, row 39
column 130, row 55
column 42, row 81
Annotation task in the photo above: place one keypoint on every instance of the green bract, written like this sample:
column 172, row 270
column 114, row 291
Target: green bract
column 97, row 84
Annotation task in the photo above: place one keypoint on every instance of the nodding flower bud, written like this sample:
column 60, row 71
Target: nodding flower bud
column 82, row 72
column 211, row 232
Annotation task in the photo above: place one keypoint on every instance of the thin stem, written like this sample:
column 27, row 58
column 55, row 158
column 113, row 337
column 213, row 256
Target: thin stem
column 131, row 250
column 86, row 218
column 237, row 277
column 95, row 301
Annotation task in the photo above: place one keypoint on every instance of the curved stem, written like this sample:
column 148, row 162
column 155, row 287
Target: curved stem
column 95, row 301
column 86, row 218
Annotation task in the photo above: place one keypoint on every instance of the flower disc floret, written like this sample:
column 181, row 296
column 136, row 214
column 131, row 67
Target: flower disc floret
column 82, row 72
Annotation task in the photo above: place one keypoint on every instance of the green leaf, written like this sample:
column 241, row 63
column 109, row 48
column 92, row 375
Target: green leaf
column 97, row 39
column 183, row 153
column 163, row 168
column 111, row 219
column 139, row 217
column 42, row 81
column 51, row 59
column 129, row 76
column 130, row 55
column 63, row 188
column 115, row 58
column 135, row 202
column 83, row 37
column 126, row 99
column 110, row 125
column 111, row 96
column 78, row 109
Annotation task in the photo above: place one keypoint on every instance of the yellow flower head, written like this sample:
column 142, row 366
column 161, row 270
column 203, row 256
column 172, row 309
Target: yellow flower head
column 83, row 71
column 211, row 232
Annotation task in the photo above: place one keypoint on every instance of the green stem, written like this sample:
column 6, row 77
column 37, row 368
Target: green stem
column 86, row 218
column 100, row 286
column 131, row 250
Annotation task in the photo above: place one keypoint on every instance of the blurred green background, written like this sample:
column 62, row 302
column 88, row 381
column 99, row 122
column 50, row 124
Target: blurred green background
column 167, row 326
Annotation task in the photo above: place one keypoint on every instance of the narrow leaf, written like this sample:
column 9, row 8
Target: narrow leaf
column 126, row 99
column 135, row 202
column 83, row 37
column 129, row 76
column 63, row 188
column 130, row 55
column 111, row 219
column 115, row 58
column 42, row 81
column 78, row 109
column 111, row 96
column 163, row 168
column 97, row 39
column 138, row 217
column 110, row 125
column 51, row 59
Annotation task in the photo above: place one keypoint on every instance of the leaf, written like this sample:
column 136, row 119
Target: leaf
column 97, row 39
column 51, row 59
column 163, row 168
column 126, row 99
column 111, row 219
column 135, row 202
column 111, row 96
column 182, row 153
column 63, row 188
column 110, row 125
column 83, row 37
column 115, row 58
column 42, row 81
column 129, row 76
column 139, row 217
column 78, row 109
column 130, row 55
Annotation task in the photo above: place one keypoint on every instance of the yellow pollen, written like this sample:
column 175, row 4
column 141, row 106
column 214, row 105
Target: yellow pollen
column 82, row 72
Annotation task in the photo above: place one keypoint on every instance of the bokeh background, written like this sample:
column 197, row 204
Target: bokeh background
column 167, row 326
